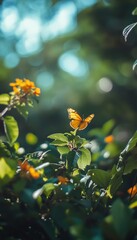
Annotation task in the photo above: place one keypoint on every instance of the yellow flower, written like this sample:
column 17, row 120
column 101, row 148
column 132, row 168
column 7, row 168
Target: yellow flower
column 24, row 87
column 36, row 91
column 16, row 90
column 18, row 81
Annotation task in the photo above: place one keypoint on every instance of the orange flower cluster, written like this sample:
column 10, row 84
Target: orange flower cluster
column 63, row 180
column 27, row 168
column 24, row 86
column 133, row 190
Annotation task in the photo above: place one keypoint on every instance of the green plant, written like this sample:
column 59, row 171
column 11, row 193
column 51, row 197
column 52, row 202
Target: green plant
column 76, row 189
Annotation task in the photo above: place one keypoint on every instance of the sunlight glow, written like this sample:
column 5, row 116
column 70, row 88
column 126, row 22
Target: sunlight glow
column 29, row 26
column 10, row 18
column 36, row 22
column 62, row 22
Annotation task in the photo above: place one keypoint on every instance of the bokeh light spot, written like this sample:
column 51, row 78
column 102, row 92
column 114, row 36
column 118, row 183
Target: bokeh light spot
column 21, row 150
column 105, row 85
column 44, row 146
column 9, row 21
column 11, row 60
column 70, row 63
column 31, row 138
column 45, row 81
column 62, row 22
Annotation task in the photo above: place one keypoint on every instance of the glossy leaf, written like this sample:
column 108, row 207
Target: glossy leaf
column 115, row 183
column 132, row 142
column 59, row 143
column 70, row 161
column 84, row 159
column 130, row 165
column 11, row 129
column 134, row 12
column 100, row 177
column 48, row 188
column 7, row 169
column 4, row 152
column 4, row 99
column 128, row 29
column 58, row 136
column 134, row 65
column 63, row 150
column 133, row 205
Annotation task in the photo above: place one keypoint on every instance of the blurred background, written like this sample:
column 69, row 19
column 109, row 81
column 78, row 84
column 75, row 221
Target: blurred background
column 75, row 52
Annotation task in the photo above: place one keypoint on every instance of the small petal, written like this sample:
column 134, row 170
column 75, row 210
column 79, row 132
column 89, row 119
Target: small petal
column 36, row 91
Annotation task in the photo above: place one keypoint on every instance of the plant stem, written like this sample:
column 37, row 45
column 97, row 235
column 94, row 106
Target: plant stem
column 4, row 111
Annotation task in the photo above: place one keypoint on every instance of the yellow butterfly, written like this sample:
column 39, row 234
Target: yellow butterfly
column 77, row 122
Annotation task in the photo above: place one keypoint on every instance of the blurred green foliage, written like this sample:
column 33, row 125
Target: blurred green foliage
column 72, row 188
column 88, row 68
column 57, row 183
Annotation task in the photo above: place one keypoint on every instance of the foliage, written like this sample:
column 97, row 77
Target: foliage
column 77, row 188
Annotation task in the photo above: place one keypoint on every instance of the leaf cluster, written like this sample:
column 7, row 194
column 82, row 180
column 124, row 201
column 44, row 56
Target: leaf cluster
column 72, row 190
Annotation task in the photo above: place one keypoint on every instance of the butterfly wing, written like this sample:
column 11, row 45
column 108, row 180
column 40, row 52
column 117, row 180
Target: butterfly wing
column 76, row 121
column 85, row 122
column 75, row 118
column 89, row 118
column 73, row 115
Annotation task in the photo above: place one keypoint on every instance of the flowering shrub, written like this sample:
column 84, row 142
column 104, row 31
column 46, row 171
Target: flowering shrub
column 76, row 189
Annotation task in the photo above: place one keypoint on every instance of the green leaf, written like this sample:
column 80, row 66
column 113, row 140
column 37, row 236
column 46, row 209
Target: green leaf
column 112, row 149
column 102, row 132
column 130, row 165
column 133, row 205
column 115, row 183
column 7, row 170
column 95, row 132
column 48, row 188
column 122, row 220
column 134, row 12
column 4, row 99
column 80, row 141
column 70, row 161
column 134, row 65
column 58, row 136
column 100, row 177
column 132, row 143
column 63, row 150
column 11, row 129
column 58, row 143
column 107, row 127
column 4, row 152
column 84, row 159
